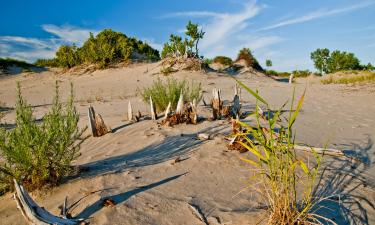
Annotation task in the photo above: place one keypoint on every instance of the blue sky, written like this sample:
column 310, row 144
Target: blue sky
column 283, row 31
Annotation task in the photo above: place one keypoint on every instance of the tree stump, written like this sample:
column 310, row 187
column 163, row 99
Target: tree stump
column 97, row 125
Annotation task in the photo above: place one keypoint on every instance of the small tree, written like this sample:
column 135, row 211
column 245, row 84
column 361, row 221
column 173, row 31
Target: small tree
column 183, row 46
column 268, row 63
column 67, row 56
column 246, row 55
column 320, row 58
column 192, row 30
column 342, row 61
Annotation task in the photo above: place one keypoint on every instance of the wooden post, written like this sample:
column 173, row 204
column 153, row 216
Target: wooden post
column 236, row 107
column 153, row 110
column 91, row 115
column 167, row 111
column 194, row 119
column 216, row 104
column 291, row 78
column 130, row 112
column 180, row 104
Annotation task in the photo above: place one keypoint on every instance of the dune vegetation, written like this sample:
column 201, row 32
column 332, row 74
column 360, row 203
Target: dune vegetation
column 40, row 153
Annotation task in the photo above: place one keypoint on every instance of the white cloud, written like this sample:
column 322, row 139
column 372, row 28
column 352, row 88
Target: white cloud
column 68, row 33
column 192, row 14
column 226, row 33
column 317, row 15
column 30, row 49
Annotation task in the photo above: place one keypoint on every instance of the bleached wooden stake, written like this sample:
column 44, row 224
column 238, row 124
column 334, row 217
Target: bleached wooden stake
column 216, row 104
column 153, row 110
column 180, row 104
column 130, row 111
column 167, row 111
column 194, row 111
column 236, row 107
column 91, row 115
column 291, row 78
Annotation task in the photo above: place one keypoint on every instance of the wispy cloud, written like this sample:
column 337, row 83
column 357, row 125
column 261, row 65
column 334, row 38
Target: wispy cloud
column 69, row 33
column 193, row 14
column 317, row 15
column 226, row 33
column 30, row 49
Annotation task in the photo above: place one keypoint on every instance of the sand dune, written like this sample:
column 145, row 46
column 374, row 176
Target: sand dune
column 135, row 166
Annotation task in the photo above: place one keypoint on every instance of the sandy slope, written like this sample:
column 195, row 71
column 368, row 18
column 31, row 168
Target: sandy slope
column 134, row 165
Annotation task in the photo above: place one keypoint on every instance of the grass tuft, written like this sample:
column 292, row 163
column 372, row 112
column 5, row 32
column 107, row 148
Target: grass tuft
column 169, row 91
column 362, row 77
column 286, row 179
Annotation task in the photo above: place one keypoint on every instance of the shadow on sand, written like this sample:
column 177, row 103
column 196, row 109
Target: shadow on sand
column 341, row 200
column 170, row 148
column 120, row 198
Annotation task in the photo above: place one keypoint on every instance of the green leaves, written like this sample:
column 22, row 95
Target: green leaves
column 40, row 153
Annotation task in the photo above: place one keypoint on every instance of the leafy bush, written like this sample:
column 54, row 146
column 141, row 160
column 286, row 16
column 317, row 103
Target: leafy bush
column 223, row 60
column 278, row 74
column 246, row 55
column 5, row 63
column 169, row 91
column 40, row 154
column 67, row 56
column 284, row 177
column 327, row 62
column 301, row 73
column 106, row 48
column 47, row 63
column 184, row 47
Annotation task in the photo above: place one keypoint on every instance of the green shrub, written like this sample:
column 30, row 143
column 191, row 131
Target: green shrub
column 169, row 91
column 5, row 63
column 105, row 48
column 40, row 154
column 286, row 180
column 268, row 63
column 301, row 73
column 246, row 55
column 167, row 70
column 47, row 63
column 223, row 60
column 278, row 74
column 67, row 56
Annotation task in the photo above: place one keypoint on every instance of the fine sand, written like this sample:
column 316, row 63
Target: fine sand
column 135, row 166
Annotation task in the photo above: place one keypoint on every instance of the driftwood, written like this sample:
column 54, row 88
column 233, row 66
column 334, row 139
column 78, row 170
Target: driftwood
column 189, row 115
column 237, row 90
column 325, row 151
column 97, row 125
column 154, row 116
column 236, row 107
column 35, row 214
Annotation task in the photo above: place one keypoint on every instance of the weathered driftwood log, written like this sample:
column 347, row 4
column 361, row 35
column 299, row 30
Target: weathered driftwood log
column 216, row 104
column 154, row 116
column 97, row 125
column 130, row 111
column 35, row 214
